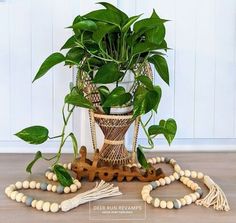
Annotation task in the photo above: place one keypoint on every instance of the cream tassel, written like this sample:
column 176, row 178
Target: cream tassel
column 215, row 197
column 101, row 190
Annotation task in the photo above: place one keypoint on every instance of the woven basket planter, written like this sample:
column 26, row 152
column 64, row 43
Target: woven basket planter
column 114, row 128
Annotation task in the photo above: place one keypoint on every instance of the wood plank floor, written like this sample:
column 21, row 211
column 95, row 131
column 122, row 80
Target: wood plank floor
column 220, row 166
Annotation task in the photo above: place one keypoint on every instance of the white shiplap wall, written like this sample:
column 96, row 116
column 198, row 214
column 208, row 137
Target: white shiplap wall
column 202, row 93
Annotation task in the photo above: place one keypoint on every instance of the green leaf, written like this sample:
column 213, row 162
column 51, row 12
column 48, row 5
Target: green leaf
column 78, row 100
column 74, row 143
column 109, row 6
column 51, row 61
column 156, row 35
column 146, row 81
column 74, row 56
column 105, row 15
column 168, row 128
column 130, row 21
column 148, row 23
column 117, row 97
column 104, row 92
column 34, row 134
column 37, row 156
column 63, row 176
column 108, row 73
column 141, row 158
column 103, row 29
column 143, row 47
column 161, row 66
column 159, row 92
column 71, row 42
column 144, row 101
column 87, row 25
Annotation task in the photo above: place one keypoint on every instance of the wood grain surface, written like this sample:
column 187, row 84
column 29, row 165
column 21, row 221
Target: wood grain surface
column 220, row 166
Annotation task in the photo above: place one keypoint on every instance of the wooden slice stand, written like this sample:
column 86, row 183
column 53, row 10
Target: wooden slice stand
column 85, row 168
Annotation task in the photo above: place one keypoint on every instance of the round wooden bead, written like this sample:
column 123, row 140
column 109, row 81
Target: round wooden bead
column 60, row 189
column 167, row 180
column 163, row 204
column 169, row 204
column 69, row 166
column 194, row 186
column 149, row 199
column 172, row 161
column 144, row 196
column 150, row 161
column 26, row 184
column 43, row 186
column 28, row 201
column 193, row 174
column 54, row 207
column 181, row 173
column 13, row 195
column 49, row 187
column 32, row 184
column 188, row 199
column 77, row 183
column 183, row 201
column 162, row 159
column 33, row 204
column 197, row 195
column 172, row 178
column 54, row 188
column 156, row 202
column 187, row 173
column 73, row 188
column 177, row 203
column 38, row 185
column 46, row 207
column 46, row 173
column 162, row 181
column 154, row 161
column 19, row 197
column 193, row 196
column 176, row 175
column 54, row 177
column 39, row 205
column 139, row 165
column 18, row 185
column 200, row 175
column 66, row 190
column 177, row 168
column 190, row 183
column 23, row 199
column 65, row 165
column 185, row 180
column 50, row 175
column 158, row 159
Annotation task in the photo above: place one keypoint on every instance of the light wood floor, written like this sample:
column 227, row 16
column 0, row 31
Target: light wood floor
column 220, row 166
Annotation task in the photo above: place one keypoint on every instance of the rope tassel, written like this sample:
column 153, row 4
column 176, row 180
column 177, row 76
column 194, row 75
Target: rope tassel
column 101, row 190
column 216, row 197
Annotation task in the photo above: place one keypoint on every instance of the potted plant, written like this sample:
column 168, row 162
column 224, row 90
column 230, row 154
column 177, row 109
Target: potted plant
column 112, row 54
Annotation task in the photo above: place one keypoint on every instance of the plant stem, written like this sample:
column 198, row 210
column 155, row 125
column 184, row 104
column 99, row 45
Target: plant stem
column 150, row 142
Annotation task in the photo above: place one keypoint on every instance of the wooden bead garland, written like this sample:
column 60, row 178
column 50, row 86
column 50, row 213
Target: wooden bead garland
column 216, row 197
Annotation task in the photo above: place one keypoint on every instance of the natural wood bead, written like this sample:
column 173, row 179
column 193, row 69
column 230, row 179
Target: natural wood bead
column 188, row 199
column 194, row 186
column 66, row 190
column 139, row 165
column 183, row 201
column 190, row 183
column 185, row 180
column 13, row 195
column 193, row 196
column 19, row 197
column 162, row 159
column 144, row 196
column 69, row 166
column 156, row 202
column 33, row 204
column 39, row 205
column 187, row 173
column 73, row 188
column 172, row 161
column 54, row 177
column 50, row 175
column 46, row 174
column 197, row 195
column 18, row 185
column 158, row 159
column 65, row 165
column 150, row 161
column 158, row 183
column 149, row 199
column 181, row 173
column 54, row 207
column 200, row 175
column 23, row 199
column 163, row 204
column 49, row 187
column 167, row 180
column 54, row 188
column 169, row 204
column 38, row 185
column 177, row 168
column 46, row 207
column 193, row 174
column 26, row 184
column 78, row 184
column 154, row 161
column 162, row 181
column 32, row 184
column 172, row 178
column 176, row 175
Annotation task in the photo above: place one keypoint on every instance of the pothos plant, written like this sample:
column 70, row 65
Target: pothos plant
column 105, row 45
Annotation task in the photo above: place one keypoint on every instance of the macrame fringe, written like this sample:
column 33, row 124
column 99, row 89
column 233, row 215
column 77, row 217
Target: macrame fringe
column 216, row 197
column 101, row 190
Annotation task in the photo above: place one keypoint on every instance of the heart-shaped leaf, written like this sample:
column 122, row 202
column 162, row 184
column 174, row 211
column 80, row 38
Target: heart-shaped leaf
column 71, row 42
column 108, row 73
column 34, row 134
column 167, row 128
column 103, row 29
column 74, row 56
column 87, row 25
column 37, row 156
column 141, row 158
column 75, row 144
column 63, row 176
column 161, row 66
column 78, row 100
column 144, row 47
column 51, row 61
column 146, row 81
column 117, row 97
